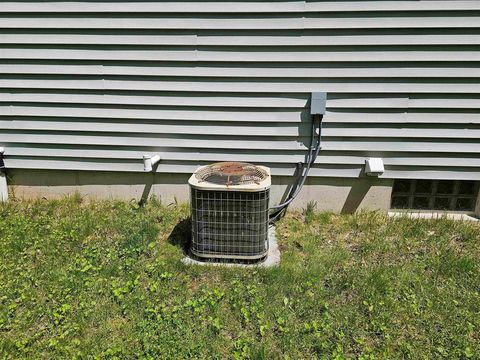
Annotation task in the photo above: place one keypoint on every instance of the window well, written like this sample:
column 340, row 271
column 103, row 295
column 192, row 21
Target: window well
column 446, row 195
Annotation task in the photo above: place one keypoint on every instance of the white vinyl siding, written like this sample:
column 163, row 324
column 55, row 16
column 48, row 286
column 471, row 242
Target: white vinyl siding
column 95, row 85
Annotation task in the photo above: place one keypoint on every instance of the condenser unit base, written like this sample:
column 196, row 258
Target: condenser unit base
column 271, row 259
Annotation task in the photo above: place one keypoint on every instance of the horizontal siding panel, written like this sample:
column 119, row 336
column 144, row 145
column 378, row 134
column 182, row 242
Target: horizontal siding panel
column 362, row 6
column 396, row 145
column 156, row 7
column 95, row 85
column 467, row 161
column 237, row 7
column 280, row 55
column 248, row 130
column 330, row 144
column 109, row 165
column 403, row 117
column 199, row 39
column 400, row 133
column 333, row 39
column 445, row 103
column 227, row 22
column 237, row 116
column 278, row 156
column 76, row 164
column 153, row 114
column 185, row 99
column 451, row 173
column 135, row 139
column 262, row 156
column 404, row 103
column 251, row 129
column 447, row 173
column 199, row 100
column 223, row 116
column 245, row 86
column 254, row 70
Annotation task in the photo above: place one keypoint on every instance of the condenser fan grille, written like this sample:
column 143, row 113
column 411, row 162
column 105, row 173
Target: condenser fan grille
column 231, row 173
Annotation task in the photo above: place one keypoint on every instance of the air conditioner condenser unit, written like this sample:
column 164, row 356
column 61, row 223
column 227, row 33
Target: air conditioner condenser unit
column 230, row 211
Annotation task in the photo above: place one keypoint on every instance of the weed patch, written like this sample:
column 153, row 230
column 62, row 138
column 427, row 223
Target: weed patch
column 104, row 280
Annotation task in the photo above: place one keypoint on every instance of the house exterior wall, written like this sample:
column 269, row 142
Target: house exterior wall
column 92, row 86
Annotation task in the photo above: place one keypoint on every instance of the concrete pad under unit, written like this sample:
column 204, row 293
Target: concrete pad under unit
column 432, row 215
column 272, row 259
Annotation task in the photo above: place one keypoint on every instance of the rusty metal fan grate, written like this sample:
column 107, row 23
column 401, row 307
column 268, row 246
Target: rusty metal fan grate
column 231, row 173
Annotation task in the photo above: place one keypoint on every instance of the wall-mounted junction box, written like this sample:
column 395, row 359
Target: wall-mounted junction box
column 318, row 103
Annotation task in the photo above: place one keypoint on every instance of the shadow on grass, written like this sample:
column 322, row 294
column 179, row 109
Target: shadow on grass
column 181, row 235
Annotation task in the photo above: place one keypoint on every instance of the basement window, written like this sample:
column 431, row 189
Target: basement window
column 446, row 195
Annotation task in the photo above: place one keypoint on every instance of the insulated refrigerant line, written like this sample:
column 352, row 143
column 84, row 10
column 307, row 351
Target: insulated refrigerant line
column 317, row 110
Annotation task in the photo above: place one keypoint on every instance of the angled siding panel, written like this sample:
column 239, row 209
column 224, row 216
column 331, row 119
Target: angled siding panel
column 95, row 85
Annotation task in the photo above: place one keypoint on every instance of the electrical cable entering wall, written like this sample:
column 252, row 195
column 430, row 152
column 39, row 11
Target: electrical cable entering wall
column 304, row 168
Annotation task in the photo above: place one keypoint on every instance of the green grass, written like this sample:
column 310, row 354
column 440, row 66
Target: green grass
column 104, row 280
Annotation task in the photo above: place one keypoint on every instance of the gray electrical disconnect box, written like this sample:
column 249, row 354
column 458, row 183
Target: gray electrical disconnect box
column 318, row 103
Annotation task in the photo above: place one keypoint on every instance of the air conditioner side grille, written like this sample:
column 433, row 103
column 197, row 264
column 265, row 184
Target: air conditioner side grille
column 229, row 224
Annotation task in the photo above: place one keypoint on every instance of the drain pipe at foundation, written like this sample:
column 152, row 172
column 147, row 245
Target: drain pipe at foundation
column 150, row 162
column 3, row 178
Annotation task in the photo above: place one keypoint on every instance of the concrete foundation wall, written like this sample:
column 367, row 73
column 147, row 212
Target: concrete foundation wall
column 477, row 207
column 330, row 194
